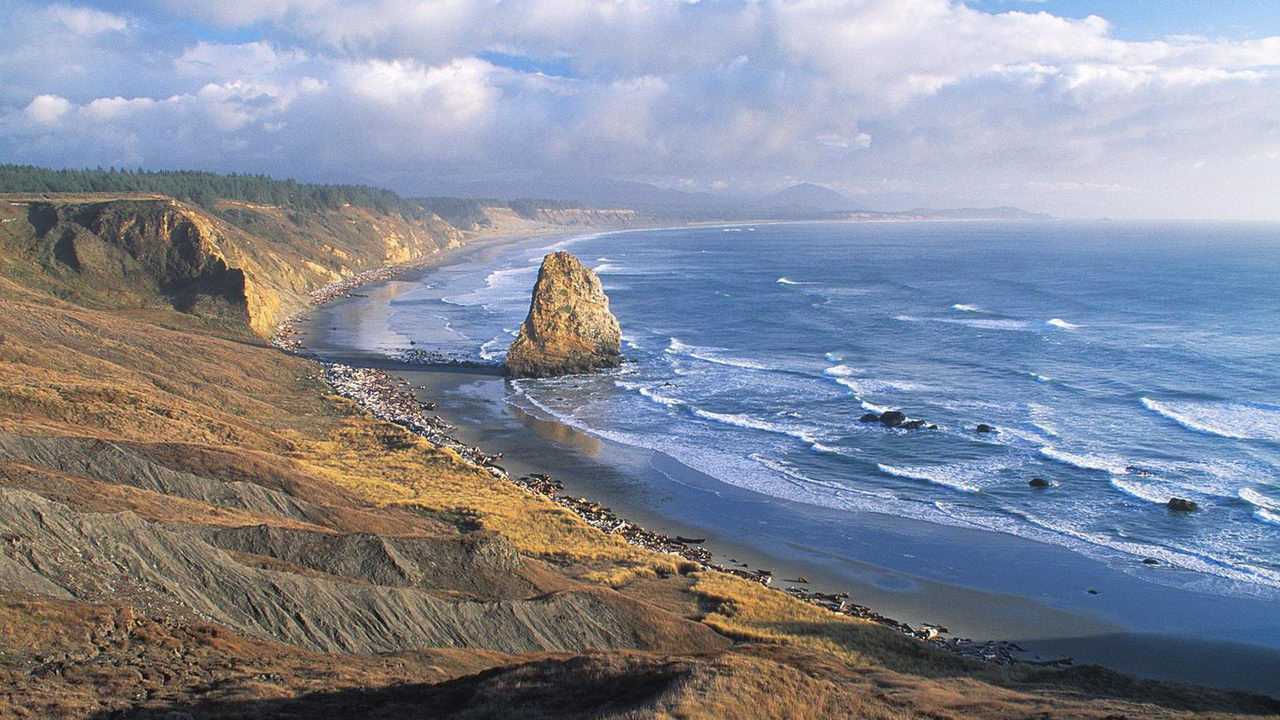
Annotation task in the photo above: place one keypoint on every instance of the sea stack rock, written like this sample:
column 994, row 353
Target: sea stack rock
column 570, row 328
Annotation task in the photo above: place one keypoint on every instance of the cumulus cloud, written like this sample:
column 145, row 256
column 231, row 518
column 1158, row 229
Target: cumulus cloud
column 881, row 98
column 46, row 109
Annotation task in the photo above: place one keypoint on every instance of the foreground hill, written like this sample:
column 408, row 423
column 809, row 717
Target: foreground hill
column 192, row 523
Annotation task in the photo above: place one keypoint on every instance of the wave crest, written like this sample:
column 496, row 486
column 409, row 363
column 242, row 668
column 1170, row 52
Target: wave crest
column 1231, row 420
column 937, row 475
column 711, row 355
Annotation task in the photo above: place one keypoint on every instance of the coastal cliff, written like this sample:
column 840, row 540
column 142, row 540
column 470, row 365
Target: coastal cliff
column 236, row 264
column 570, row 328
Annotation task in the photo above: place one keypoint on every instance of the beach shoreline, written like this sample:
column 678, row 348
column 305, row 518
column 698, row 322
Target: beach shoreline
column 386, row 379
column 385, row 397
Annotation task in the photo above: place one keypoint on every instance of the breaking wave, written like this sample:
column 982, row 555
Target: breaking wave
column 1231, row 420
column 937, row 475
column 711, row 355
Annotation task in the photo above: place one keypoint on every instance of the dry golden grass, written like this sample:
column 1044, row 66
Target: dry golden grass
column 96, row 373
column 748, row 611
column 390, row 466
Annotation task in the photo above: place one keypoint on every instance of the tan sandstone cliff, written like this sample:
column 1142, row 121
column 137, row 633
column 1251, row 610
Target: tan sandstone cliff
column 569, row 328
column 239, row 264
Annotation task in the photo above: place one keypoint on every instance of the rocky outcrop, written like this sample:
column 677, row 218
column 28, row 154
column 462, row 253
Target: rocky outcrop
column 245, row 265
column 896, row 419
column 569, row 328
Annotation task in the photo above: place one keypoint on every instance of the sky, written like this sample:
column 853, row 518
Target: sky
column 1081, row 108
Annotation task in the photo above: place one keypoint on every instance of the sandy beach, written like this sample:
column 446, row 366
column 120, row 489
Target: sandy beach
column 975, row 584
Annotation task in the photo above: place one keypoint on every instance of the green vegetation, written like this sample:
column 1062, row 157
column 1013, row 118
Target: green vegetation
column 206, row 188
column 469, row 212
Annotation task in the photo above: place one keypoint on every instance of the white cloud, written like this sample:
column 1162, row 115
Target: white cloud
column 46, row 109
column 892, row 97
column 87, row 21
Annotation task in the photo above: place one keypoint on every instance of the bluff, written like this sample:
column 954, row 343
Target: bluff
column 570, row 328
column 238, row 265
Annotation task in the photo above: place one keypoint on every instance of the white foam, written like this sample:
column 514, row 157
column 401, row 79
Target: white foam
column 649, row 393
column 1039, row 377
column 1258, row 500
column 1042, row 418
column 988, row 323
column 506, row 284
column 1143, row 491
column 962, row 307
column 804, row 480
column 872, row 407
column 1060, row 323
column 1267, row 516
column 1176, row 557
column 841, row 370
column 1105, row 463
column 488, row 352
column 789, row 281
column 861, row 386
column 744, row 421
column 707, row 354
column 937, row 475
column 807, row 435
column 1225, row 419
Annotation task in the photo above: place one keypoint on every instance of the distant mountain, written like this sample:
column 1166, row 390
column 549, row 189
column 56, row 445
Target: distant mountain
column 996, row 213
column 808, row 196
column 800, row 201
column 596, row 192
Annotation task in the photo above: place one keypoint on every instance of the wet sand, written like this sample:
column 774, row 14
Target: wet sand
column 978, row 584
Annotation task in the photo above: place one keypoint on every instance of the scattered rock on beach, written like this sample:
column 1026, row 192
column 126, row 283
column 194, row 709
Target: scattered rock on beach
column 569, row 328
column 1182, row 505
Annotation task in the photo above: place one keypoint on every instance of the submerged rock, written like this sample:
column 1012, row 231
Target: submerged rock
column 569, row 328
column 1182, row 505
column 870, row 418
column 1038, row 483
column 984, row 428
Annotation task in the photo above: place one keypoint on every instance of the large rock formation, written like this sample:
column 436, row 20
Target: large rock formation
column 570, row 328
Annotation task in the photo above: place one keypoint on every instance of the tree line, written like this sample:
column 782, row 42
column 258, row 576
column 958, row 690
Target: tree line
column 206, row 188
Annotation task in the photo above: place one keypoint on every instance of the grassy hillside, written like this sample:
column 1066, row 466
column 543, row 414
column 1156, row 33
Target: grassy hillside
column 191, row 522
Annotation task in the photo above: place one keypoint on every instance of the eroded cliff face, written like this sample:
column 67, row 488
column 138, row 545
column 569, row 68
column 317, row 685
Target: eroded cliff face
column 246, row 266
column 570, row 328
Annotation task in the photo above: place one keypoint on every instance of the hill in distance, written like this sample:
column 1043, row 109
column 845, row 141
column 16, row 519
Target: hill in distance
column 802, row 200
column 809, row 196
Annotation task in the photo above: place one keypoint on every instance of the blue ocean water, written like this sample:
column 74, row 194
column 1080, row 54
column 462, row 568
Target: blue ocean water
column 1125, row 363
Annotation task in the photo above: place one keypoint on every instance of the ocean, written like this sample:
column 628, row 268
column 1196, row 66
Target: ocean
column 1123, row 363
